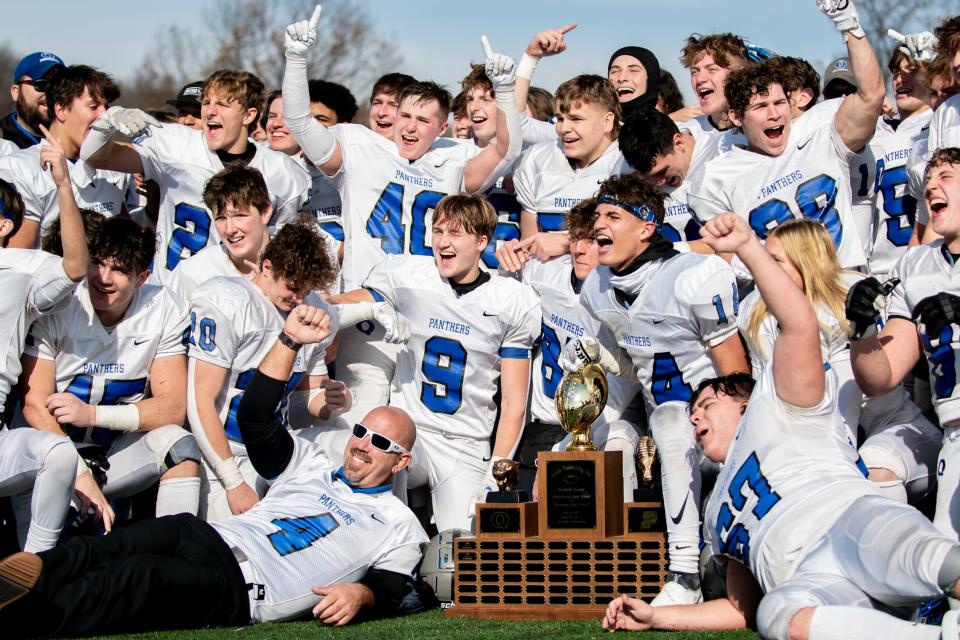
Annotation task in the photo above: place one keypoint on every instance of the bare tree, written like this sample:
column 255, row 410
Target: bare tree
column 8, row 62
column 906, row 17
column 248, row 34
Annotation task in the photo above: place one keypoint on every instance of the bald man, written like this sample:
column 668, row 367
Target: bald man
column 327, row 539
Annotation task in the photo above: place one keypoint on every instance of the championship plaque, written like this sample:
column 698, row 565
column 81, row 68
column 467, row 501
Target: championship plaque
column 507, row 513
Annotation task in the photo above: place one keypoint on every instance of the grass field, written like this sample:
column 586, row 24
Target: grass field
column 425, row 626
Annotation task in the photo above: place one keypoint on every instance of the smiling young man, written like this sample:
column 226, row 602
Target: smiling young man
column 109, row 370
column 77, row 95
column 796, row 169
column 830, row 553
column 468, row 329
column 233, row 325
column 181, row 160
column 390, row 188
column 329, row 539
column 674, row 318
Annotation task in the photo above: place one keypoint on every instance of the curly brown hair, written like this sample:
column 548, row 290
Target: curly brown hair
column 723, row 47
column 298, row 254
column 477, row 78
column 948, row 37
column 796, row 75
column 753, row 80
column 946, row 155
column 580, row 219
column 632, row 189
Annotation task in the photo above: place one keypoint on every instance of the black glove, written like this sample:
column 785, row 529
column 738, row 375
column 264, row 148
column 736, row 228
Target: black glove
column 96, row 458
column 865, row 302
column 935, row 313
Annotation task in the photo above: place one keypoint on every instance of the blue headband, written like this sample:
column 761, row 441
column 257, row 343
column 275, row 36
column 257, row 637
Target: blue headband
column 643, row 212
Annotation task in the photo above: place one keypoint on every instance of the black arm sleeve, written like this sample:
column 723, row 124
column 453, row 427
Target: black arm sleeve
column 269, row 445
column 387, row 588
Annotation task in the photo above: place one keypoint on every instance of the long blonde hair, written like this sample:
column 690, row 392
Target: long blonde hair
column 810, row 249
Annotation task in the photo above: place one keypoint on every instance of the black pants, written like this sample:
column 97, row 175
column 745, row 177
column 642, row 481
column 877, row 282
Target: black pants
column 172, row 572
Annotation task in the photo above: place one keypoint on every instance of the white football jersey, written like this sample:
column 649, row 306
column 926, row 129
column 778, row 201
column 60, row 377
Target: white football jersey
column 94, row 189
column 945, row 125
column 925, row 271
column 33, row 284
column 208, row 263
column 548, row 186
column 7, row 147
column 721, row 140
column 323, row 200
column 678, row 225
column 684, row 305
column 313, row 529
column 565, row 319
column 503, row 197
column 447, row 374
column 178, row 159
column 109, row 367
column 916, row 172
column 809, row 179
column 789, row 474
column 233, row 325
column 895, row 206
column 388, row 201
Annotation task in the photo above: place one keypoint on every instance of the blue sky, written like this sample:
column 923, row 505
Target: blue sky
column 438, row 38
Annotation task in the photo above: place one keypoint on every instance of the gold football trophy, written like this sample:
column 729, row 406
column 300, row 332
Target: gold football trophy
column 580, row 399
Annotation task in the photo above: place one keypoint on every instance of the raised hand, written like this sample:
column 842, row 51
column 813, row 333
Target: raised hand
column 549, row 42
column 501, row 69
column 844, row 15
column 126, row 122
column 302, row 35
column 307, row 325
column 921, row 47
column 726, row 233
column 53, row 159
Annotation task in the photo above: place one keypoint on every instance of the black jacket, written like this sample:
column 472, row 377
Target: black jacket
column 14, row 132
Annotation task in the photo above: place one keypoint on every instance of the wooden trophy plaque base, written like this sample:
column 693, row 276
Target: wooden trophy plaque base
column 567, row 556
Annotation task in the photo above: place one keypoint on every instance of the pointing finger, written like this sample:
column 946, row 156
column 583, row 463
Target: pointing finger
column 896, row 35
column 315, row 18
column 487, row 51
column 569, row 27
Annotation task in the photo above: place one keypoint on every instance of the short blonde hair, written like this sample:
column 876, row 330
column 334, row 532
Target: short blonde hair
column 241, row 87
column 470, row 212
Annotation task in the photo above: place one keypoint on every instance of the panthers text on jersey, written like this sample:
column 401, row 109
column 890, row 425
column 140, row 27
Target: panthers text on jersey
column 388, row 201
column 684, row 305
column 109, row 366
column 447, row 374
column 94, row 189
column 178, row 159
column 233, row 326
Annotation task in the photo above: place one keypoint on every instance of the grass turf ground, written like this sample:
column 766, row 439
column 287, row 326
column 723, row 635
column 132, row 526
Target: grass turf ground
column 424, row 626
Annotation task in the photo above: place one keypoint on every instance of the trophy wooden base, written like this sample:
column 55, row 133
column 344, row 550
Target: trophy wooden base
column 506, row 520
column 582, row 493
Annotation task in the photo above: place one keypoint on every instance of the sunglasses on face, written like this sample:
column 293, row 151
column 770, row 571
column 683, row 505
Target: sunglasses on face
column 378, row 440
column 40, row 84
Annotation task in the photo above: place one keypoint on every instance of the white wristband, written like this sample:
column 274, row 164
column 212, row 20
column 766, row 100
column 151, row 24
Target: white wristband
column 229, row 473
column 121, row 417
column 527, row 66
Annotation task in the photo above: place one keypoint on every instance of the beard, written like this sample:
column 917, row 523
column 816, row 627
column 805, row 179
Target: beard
column 31, row 115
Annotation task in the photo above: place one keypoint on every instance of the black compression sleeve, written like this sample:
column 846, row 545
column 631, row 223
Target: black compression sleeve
column 387, row 588
column 269, row 445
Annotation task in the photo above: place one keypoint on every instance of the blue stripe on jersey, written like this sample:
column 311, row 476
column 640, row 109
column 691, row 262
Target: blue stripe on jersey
column 338, row 475
column 515, row 353
column 376, row 295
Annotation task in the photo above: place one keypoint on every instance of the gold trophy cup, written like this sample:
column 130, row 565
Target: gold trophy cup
column 580, row 399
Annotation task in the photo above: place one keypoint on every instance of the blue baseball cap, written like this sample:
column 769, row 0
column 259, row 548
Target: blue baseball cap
column 37, row 64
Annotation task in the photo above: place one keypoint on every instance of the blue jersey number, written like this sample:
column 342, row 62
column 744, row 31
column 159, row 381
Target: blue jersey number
column 900, row 210
column 508, row 227
column 114, row 392
column 386, row 220
column 444, row 364
column 816, row 199
column 296, row 534
column 550, row 361
column 718, row 305
column 735, row 540
column 668, row 381
column 191, row 234
column 690, row 232
column 943, row 364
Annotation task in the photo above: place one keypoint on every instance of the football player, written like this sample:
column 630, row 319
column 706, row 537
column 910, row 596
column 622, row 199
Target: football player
column 674, row 316
column 233, row 324
column 390, row 188
column 77, row 96
column 181, row 160
column 36, row 284
column 800, row 168
column 109, row 370
column 469, row 328
column 921, row 319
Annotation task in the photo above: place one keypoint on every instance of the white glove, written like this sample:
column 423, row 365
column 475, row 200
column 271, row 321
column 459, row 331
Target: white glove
column 502, row 71
column 487, row 484
column 920, row 46
column 302, row 35
column 844, row 15
column 397, row 326
column 126, row 122
column 580, row 352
